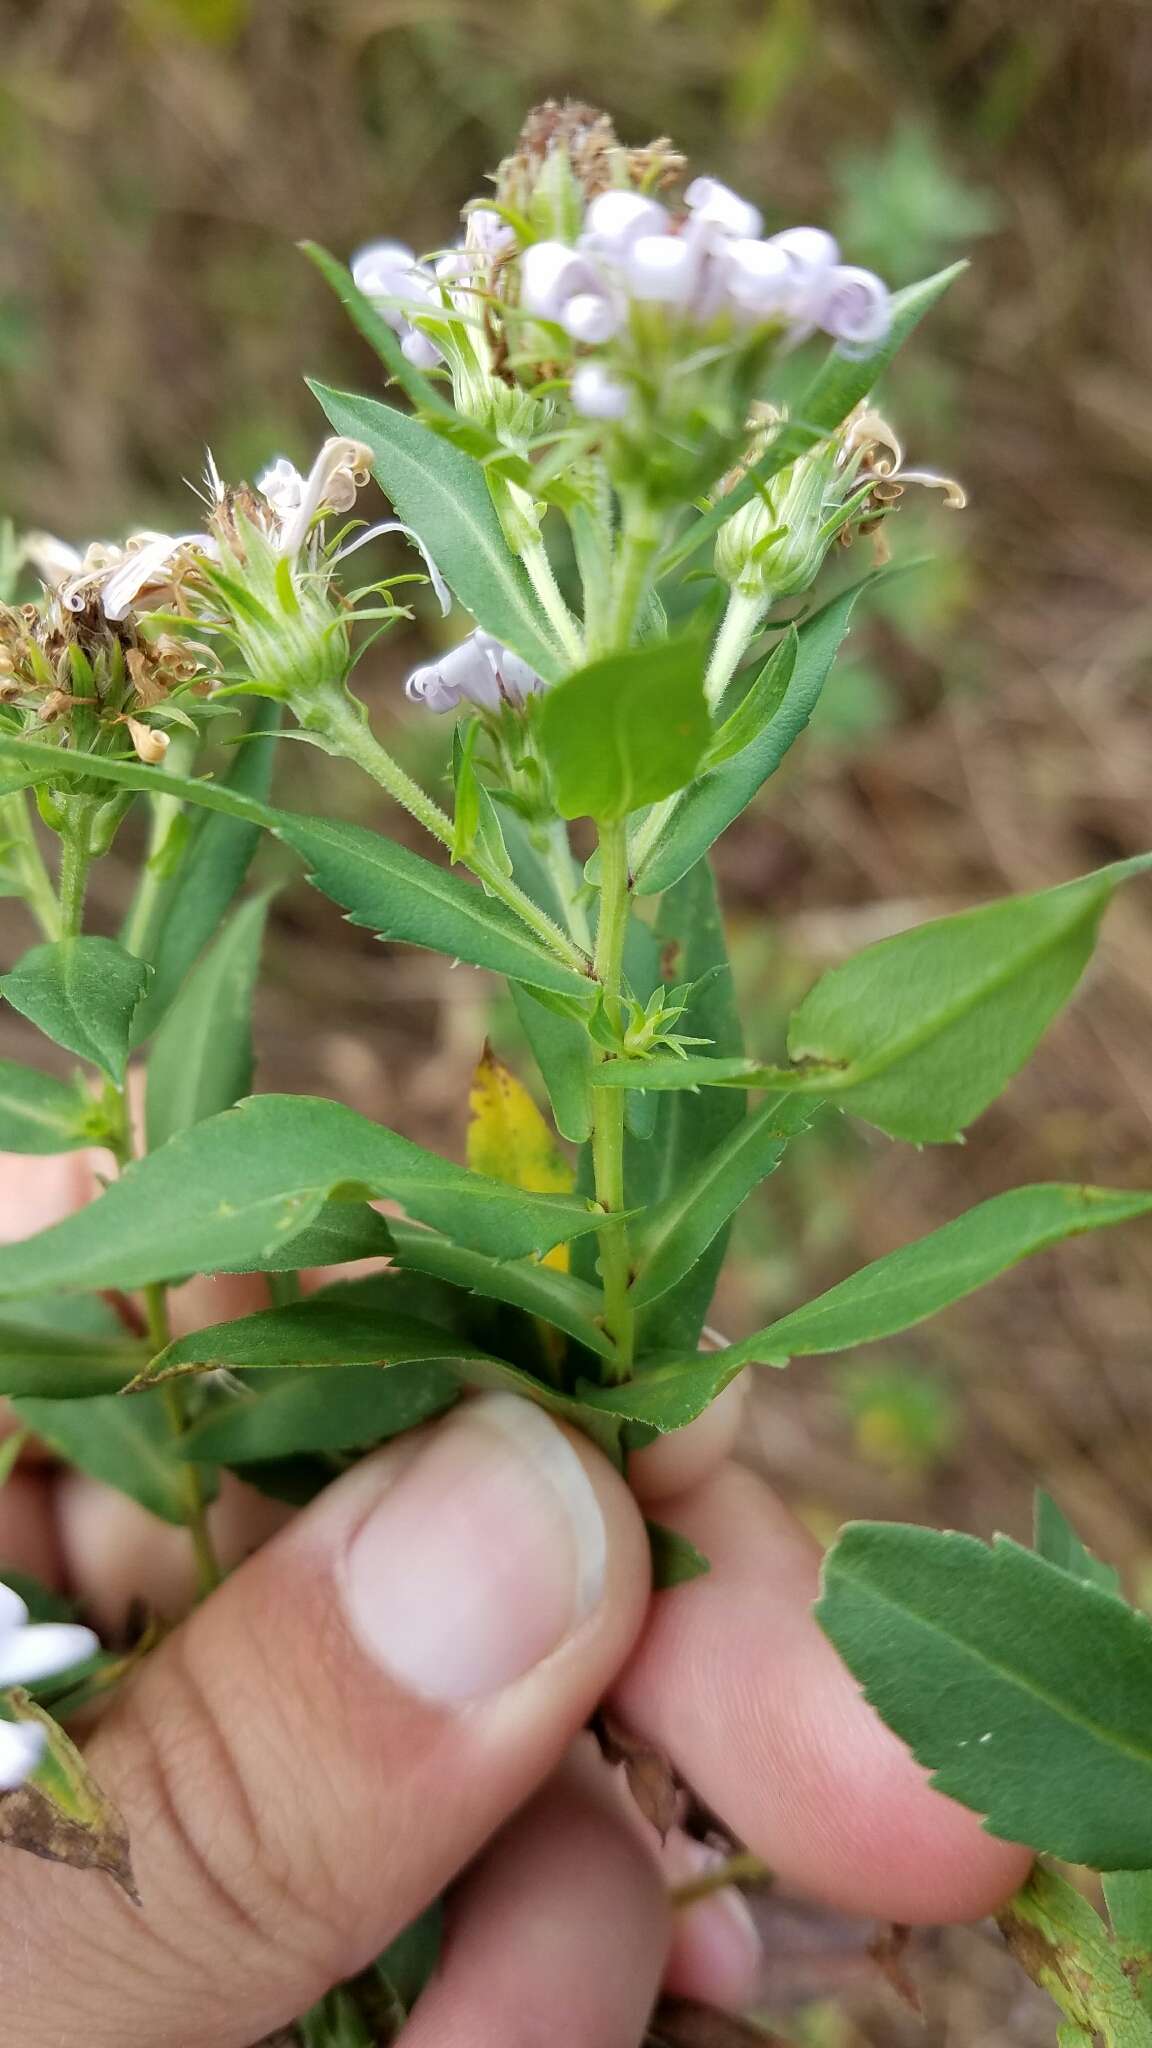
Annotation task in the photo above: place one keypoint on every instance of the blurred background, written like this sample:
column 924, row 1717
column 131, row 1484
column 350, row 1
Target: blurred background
column 989, row 730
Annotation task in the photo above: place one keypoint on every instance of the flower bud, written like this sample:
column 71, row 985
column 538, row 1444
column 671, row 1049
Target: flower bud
column 714, row 205
column 590, row 317
column 598, row 395
column 616, row 219
column 857, row 310
column 550, row 275
column 759, row 280
column 662, row 269
column 774, row 545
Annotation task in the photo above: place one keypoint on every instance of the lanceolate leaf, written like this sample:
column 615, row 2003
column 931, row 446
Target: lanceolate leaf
column 913, row 1283
column 333, row 1328
column 250, row 1180
column 127, row 1444
column 667, row 1396
column 668, row 844
column 61, row 1364
column 670, row 1238
column 337, row 1234
column 919, row 1033
column 1023, row 1690
column 400, row 895
column 563, row 1053
column 81, row 993
column 689, row 1128
column 556, row 1297
column 442, row 494
column 627, row 730
column 337, row 1410
column 38, row 1113
column 1055, row 1540
column 202, row 1058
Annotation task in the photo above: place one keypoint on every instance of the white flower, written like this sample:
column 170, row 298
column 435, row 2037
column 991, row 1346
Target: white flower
column 597, row 394
column 443, row 594
column 486, row 232
column 664, row 268
column 591, row 317
column 812, row 255
column 389, row 274
column 857, row 310
column 480, row 671
column 714, row 205
column 21, row 1748
column 615, row 220
column 340, row 471
column 759, row 279
column 148, row 567
column 551, row 274
column 53, row 560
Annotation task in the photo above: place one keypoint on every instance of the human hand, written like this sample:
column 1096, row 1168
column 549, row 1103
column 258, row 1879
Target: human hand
column 388, row 1693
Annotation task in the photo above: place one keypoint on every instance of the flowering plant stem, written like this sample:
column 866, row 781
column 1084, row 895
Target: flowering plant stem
column 608, row 1105
column 159, row 1335
column 75, row 859
column 740, row 625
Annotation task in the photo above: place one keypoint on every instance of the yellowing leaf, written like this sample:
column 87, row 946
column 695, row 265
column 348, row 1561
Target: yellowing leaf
column 60, row 1813
column 509, row 1140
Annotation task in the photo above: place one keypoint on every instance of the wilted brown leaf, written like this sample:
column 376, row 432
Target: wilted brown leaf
column 889, row 1952
column 60, row 1813
column 651, row 1780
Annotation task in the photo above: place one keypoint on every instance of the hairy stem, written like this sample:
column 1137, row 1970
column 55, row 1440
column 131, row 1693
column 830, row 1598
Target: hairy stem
column 75, row 859
column 608, row 1105
column 566, row 879
column 740, row 625
column 350, row 733
column 536, row 560
column 640, row 536
column 195, row 1506
column 27, row 863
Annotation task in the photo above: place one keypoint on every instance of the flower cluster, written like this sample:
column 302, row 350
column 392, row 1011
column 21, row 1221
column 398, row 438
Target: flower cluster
column 29, row 1653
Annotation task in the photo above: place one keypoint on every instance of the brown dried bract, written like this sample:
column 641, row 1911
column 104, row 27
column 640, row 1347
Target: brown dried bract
column 651, row 1780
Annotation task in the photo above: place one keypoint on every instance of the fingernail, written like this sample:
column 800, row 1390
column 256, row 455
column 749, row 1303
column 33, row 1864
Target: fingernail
column 725, row 1939
column 484, row 1553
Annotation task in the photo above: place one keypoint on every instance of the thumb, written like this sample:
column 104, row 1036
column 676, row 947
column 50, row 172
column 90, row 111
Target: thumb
column 311, row 1757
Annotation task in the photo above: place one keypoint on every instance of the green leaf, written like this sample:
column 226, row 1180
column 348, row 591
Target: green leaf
column 898, row 1291
column 674, row 1560
column 351, row 1325
column 672, row 1237
column 339, row 1232
column 563, row 1052
column 40, row 1114
column 250, row 1180
column 1055, row 1540
column 60, row 1813
column 400, row 895
column 202, row 1058
column 668, row 845
column 341, row 1409
column 1128, row 1896
column 627, row 730
column 690, row 933
column 1024, row 1691
column 62, row 1364
column 759, row 705
column 838, row 386
column 126, row 1443
column 442, row 494
column 919, row 1033
column 82, row 994
column 391, row 890
column 211, row 870
column 557, row 1298
column 666, row 1396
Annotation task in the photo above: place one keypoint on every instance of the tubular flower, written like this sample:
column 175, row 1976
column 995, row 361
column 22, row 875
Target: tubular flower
column 479, row 671
column 28, row 1653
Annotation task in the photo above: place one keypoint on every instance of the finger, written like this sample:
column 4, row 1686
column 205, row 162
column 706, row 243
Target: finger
column 28, row 1536
column 117, row 1556
column 736, row 1681
column 560, row 1932
column 685, row 1458
column 335, row 1733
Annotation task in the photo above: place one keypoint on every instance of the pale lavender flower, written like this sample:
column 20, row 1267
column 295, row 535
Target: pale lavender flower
column 29, row 1652
column 713, row 205
column 662, row 268
column 597, row 394
column 760, row 280
column 389, row 274
column 339, row 473
column 616, row 220
column 148, row 565
column 857, row 310
column 479, row 671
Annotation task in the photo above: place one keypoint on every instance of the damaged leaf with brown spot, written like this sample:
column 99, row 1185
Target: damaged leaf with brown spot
column 60, row 1812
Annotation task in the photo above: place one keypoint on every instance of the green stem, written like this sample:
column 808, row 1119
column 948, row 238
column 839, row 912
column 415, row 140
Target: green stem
column 608, row 1106
column 538, row 564
column 74, row 863
column 32, row 877
column 640, row 536
column 566, row 879
column 739, row 627
column 352, row 736
column 141, row 926
column 196, row 1507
